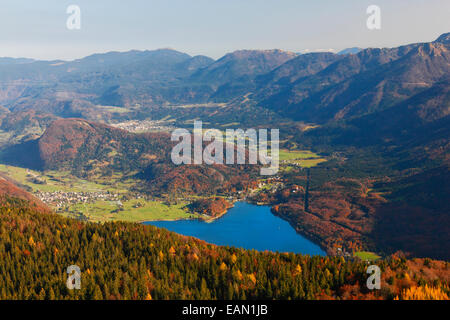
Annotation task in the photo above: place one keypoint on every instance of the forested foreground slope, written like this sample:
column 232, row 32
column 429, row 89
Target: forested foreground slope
column 132, row 261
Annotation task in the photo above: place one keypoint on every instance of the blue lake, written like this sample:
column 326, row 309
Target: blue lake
column 246, row 226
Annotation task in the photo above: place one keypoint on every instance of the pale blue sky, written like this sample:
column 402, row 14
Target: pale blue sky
column 37, row 28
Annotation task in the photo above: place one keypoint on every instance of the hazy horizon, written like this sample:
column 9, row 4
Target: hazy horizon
column 304, row 51
column 212, row 27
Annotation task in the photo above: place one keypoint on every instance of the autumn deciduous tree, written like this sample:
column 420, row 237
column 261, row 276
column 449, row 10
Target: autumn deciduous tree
column 423, row 293
column 131, row 261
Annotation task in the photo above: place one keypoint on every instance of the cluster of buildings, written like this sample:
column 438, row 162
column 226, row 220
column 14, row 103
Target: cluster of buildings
column 293, row 163
column 61, row 199
column 137, row 126
column 343, row 253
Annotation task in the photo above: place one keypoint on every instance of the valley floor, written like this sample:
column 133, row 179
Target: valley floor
column 99, row 201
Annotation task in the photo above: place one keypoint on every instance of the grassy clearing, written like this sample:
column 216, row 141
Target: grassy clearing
column 366, row 255
column 114, row 109
column 64, row 181
column 309, row 163
column 296, row 155
column 102, row 211
column 302, row 158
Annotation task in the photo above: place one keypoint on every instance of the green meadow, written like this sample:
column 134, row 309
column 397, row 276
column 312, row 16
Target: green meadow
column 297, row 154
column 53, row 181
column 134, row 210
column 366, row 255
column 303, row 158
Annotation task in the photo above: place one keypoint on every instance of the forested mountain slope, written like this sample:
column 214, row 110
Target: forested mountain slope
column 89, row 150
column 131, row 261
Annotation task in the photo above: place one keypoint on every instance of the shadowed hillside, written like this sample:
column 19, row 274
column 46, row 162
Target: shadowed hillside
column 372, row 80
column 90, row 150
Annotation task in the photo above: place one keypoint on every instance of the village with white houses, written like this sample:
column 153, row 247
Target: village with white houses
column 61, row 199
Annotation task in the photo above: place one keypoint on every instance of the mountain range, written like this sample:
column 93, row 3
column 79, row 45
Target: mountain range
column 315, row 87
column 379, row 115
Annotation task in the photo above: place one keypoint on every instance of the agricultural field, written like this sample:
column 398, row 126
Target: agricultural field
column 113, row 109
column 300, row 158
column 366, row 255
column 52, row 181
column 135, row 210
column 309, row 163
column 297, row 154
column 131, row 209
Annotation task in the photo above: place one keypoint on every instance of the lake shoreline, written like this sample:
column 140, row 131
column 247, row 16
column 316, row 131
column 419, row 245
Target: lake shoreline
column 316, row 240
column 204, row 218
column 245, row 225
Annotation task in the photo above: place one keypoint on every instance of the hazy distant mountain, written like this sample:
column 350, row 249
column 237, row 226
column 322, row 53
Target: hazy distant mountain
column 373, row 79
column 195, row 63
column 316, row 87
column 444, row 38
column 353, row 50
column 240, row 64
column 292, row 71
column 421, row 121
column 129, row 78
column 234, row 74
column 6, row 61
column 114, row 78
